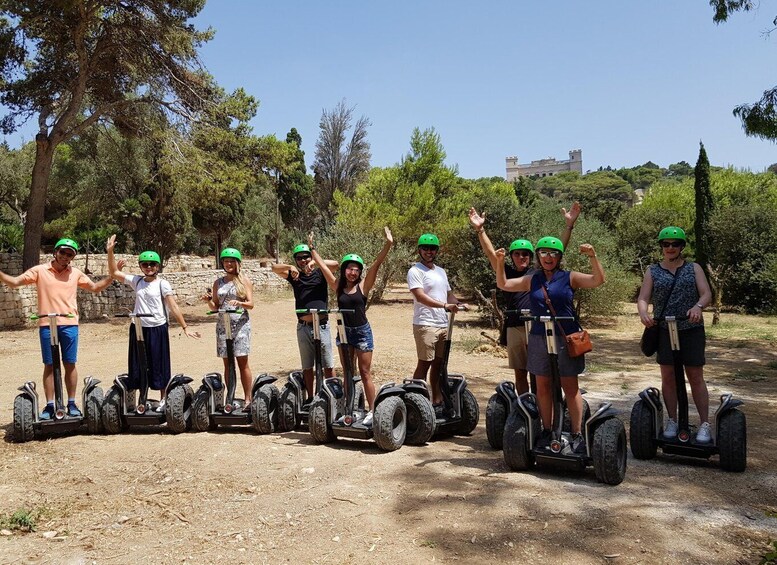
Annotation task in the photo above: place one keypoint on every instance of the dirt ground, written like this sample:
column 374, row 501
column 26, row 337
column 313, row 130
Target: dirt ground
column 234, row 495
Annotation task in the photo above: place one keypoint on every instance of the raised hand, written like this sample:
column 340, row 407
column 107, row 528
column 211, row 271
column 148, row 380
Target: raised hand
column 476, row 220
column 571, row 217
column 500, row 253
column 310, row 240
column 120, row 264
column 111, row 243
column 387, row 235
column 588, row 250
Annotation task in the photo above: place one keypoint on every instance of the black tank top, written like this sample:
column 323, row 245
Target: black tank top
column 357, row 302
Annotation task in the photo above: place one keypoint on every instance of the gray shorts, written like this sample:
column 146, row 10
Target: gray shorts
column 692, row 345
column 307, row 349
column 539, row 360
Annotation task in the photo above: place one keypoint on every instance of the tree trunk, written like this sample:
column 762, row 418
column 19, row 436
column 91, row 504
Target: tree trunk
column 33, row 227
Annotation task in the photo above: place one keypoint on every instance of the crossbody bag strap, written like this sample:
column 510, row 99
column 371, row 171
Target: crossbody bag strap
column 671, row 288
column 162, row 298
column 553, row 311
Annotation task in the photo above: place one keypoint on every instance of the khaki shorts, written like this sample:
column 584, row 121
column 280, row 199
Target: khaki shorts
column 516, row 348
column 429, row 341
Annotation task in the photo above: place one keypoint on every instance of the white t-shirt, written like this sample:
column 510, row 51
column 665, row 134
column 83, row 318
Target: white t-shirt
column 148, row 299
column 434, row 283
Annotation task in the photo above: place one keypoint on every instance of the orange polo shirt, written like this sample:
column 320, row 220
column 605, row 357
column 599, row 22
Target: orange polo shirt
column 56, row 291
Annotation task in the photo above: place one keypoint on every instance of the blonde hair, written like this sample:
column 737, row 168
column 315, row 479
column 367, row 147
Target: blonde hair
column 240, row 284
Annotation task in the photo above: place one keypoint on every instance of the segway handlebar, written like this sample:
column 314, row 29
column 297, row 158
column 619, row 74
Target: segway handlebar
column 225, row 311
column 670, row 318
column 546, row 318
column 52, row 315
column 324, row 310
column 133, row 315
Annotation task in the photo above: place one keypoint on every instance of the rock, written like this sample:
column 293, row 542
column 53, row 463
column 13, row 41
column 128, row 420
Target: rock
column 50, row 534
column 6, row 533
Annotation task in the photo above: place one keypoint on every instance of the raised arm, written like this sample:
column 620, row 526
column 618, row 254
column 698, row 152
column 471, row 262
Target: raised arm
column 283, row 270
column 584, row 280
column 477, row 222
column 569, row 218
column 113, row 270
column 326, row 269
column 372, row 273
column 520, row 284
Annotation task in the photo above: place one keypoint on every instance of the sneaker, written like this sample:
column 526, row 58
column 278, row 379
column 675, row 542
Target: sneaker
column 543, row 442
column 703, row 435
column 670, row 430
column 73, row 411
column 48, row 412
column 578, row 444
column 367, row 419
column 161, row 406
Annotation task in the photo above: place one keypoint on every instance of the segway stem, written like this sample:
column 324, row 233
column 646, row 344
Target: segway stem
column 444, row 383
column 679, row 377
column 56, row 360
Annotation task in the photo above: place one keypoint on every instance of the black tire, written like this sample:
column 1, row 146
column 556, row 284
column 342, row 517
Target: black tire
column 642, row 433
column 93, row 408
column 287, row 410
column 470, row 413
column 264, row 412
column 113, row 423
column 318, row 421
column 389, row 424
column 420, row 419
column 609, row 452
column 23, row 419
column 178, row 409
column 515, row 443
column 496, row 418
column 201, row 421
column 567, row 425
column 732, row 441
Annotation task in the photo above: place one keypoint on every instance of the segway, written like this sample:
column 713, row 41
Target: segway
column 338, row 411
column 120, row 410
column 647, row 420
column 210, row 409
column 498, row 407
column 27, row 424
column 294, row 403
column 460, row 411
column 604, row 433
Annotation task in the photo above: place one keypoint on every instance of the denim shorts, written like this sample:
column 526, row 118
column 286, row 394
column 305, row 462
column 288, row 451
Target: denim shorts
column 359, row 337
column 307, row 349
column 68, row 344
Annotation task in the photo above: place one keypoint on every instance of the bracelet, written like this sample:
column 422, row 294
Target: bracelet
column 699, row 306
column 570, row 227
column 481, row 230
column 184, row 328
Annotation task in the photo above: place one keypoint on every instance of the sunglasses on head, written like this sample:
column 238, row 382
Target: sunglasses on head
column 428, row 247
column 672, row 244
column 521, row 253
column 553, row 253
column 147, row 264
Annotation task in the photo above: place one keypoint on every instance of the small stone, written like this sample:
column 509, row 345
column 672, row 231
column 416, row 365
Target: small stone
column 336, row 539
column 50, row 534
column 308, row 470
column 6, row 533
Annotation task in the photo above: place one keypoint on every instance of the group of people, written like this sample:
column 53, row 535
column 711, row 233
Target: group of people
column 536, row 280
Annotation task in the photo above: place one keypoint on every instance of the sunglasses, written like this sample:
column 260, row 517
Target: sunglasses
column 428, row 248
column 666, row 244
column 68, row 254
column 549, row 253
column 302, row 257
column 147, row 264
column 521, row 253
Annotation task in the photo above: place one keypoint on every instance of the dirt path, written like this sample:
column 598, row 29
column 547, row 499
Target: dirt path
column 201, row 498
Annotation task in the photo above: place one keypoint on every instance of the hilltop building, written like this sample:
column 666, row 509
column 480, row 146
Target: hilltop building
column 544, row 167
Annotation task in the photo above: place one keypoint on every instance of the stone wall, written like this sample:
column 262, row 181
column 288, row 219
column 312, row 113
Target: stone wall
column 189, row 276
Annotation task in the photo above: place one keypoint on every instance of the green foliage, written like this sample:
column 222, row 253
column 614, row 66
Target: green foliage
column 770, row 557
column 704, row 208
column 296, row 189
column 11, row 237
column 22, row 519
column 15, row 168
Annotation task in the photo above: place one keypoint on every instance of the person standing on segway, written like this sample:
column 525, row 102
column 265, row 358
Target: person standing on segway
column 154, row 296
column 234, row 290
column 521, row 252
column 691, row 293
column 310, row 292
column 551, row 283
column 57, row 283
column 352, row 293
column 432, row 298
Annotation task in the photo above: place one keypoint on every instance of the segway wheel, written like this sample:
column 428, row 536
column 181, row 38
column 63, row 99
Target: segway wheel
column 496, row 418
column 265, row 409
column 470, row 413
column 93, row 411
column 23, row 419
column 515, row 443
column 732, row 441
column 112, row 421
column 201, row 421
column 287, row 410
column 642, row 435
column 389, row 424
column 178, row 409
column 420, row 419
column 568, row 420
column 609, row 452
column 318, row 421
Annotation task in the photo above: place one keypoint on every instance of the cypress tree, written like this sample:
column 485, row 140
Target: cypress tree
column 704, row 208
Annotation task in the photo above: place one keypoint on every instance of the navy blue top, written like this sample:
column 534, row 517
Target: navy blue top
column 561, row 294
column 516, row 300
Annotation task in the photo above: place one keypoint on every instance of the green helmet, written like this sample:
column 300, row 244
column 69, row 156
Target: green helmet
column 549, row 242
column 151, row 256
column 301, row 248
column 66, row 242
column 520, row 244
column 671, row 232
column 231, row 253
column 428, row 239
column 352, row 257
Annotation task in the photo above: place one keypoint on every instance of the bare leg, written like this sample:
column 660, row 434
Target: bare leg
column 365, row 370
column 545, row 400
column 669, row 390
column 521, row 381
column 574, row 402
column 48, row 382
column 701, row 397
column 421, row 370
column 245, row 376
column 434, row 380
column 71, row 379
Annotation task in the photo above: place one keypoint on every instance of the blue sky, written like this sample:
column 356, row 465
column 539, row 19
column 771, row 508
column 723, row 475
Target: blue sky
column 626, row 82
